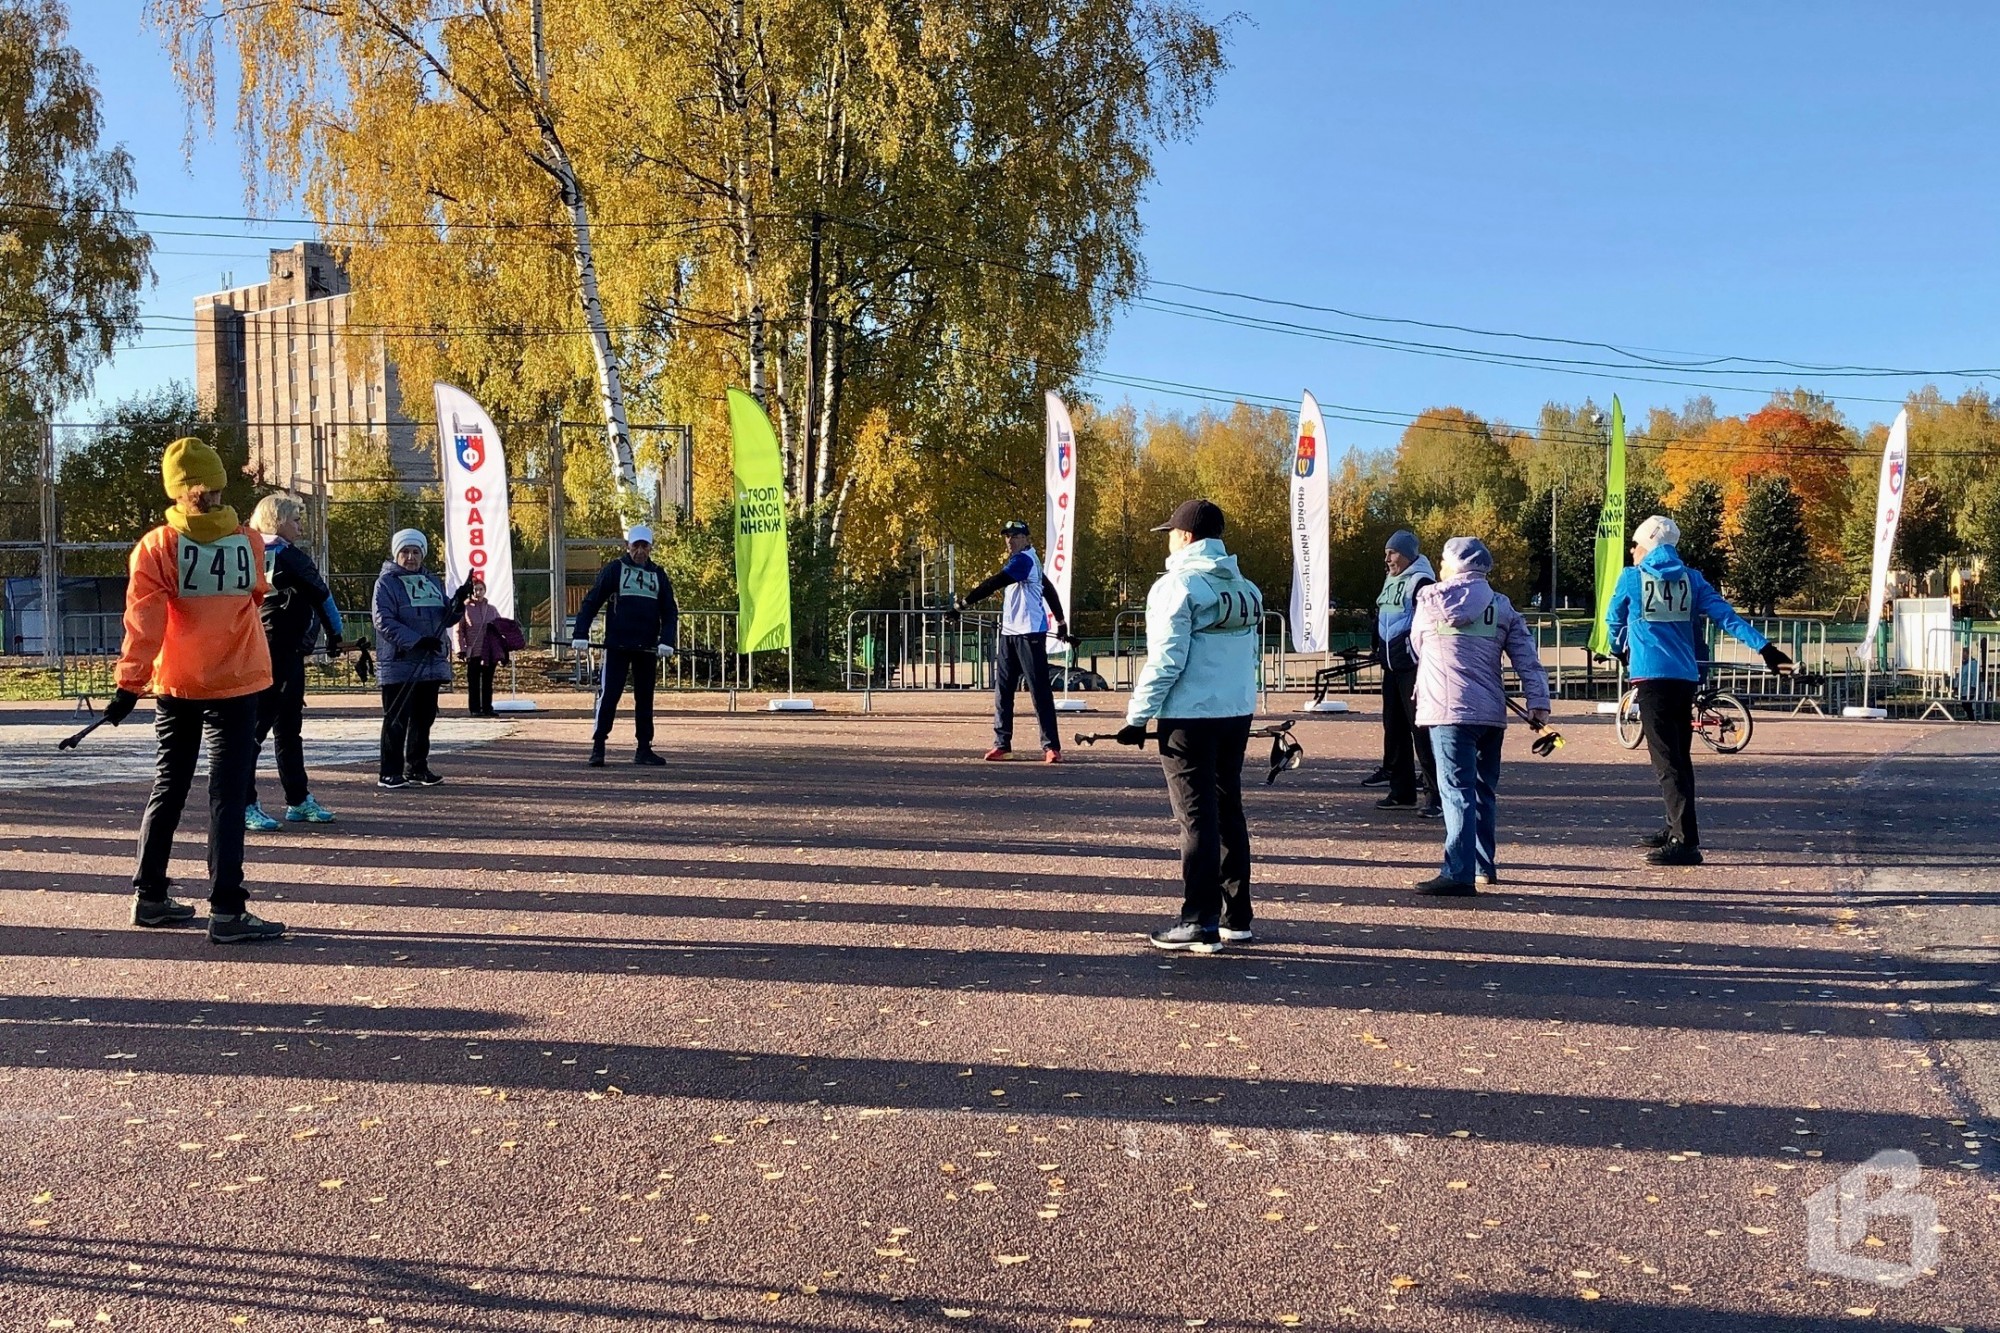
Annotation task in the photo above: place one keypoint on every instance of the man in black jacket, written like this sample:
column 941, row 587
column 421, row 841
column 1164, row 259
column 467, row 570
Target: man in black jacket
column 1405, row 745
column 641, row 627
column 298, row 607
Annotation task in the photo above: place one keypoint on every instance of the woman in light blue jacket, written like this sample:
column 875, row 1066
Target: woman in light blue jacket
column 1460, row 629
column 411, row 614
column 1203, row 620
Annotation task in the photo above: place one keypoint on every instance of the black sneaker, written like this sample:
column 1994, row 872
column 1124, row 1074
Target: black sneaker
column 1675, row 854
column 392, row 782
column 1440, row 887
column 160, row 912
column 1660, row 839
column 597, row 755
column 243, row 928
column 1391, row 803
column 425, row 778
column 1189, row 935
column 647, row 759
column 1379, row 778
column 1486, row 877
column 1432, row 811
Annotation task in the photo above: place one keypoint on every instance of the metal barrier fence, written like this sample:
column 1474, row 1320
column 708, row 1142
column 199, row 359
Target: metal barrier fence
column 1128, row 652
column 920, row 648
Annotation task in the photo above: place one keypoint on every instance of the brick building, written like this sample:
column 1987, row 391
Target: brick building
column 276, row 356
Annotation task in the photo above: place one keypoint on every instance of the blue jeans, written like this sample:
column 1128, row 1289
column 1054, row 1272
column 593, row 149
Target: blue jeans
column 1468, row 762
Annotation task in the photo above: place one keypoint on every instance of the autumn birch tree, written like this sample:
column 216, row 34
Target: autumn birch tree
column 328, row 88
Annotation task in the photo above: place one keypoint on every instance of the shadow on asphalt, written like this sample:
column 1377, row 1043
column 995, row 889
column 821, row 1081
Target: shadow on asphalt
column 357, row 1043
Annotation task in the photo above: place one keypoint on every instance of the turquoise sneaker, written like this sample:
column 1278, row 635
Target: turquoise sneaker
column 308, row 811
column 256, row 821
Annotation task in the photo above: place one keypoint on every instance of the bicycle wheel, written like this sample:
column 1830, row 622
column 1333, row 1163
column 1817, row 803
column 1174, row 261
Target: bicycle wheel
column 1627, row 720
column 1724, row 723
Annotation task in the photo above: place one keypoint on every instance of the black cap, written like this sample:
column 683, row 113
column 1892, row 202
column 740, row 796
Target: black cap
column 1202, row 518
column 1013, row 527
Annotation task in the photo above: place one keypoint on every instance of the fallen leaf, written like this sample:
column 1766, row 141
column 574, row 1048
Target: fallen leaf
column 331, row 1184
column 956, row 1312
column 1007, row 1260
column 1402, row 1282
column 1590, row 1294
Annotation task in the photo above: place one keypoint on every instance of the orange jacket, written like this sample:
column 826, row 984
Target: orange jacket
column 191, row 625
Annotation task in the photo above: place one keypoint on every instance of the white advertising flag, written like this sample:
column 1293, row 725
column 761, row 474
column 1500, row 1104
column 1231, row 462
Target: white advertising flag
column 1059, row 531
column 477, row 537
column 1309, row 534
column 1888, row 512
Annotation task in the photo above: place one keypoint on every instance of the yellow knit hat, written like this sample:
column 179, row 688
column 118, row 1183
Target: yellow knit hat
column 189, row 463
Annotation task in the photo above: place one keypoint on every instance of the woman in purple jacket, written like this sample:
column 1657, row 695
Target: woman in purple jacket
column 1459, row 631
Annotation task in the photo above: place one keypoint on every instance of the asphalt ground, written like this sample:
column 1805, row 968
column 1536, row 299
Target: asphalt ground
column 829, row 1025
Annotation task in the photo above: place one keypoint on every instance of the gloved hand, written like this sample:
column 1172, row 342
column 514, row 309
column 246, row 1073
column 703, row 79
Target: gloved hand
column 579, row 645
column 121, row 706
column 1537, row 716
column 1132, row 733
column 1774, row 657
column 1062, row 630
column 430, row 643
column 335, row 648
column 463, row 595
column 958, row 603
column 668, row 652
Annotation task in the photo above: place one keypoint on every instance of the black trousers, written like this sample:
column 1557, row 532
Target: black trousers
column 479, row 685
column 643, row 669
column 281, row 719
column 407, row 714
column 1405, row 744
column 230, row 728
column 1203, row 761
column 1666, row 718
column 1016, row 656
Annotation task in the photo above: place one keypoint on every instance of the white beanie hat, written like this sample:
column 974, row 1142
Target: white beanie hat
column 1659, row 530
column 409, row 537
column 638, row 532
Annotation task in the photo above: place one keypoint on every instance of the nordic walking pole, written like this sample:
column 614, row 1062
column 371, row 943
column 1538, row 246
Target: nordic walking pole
column 71, row 742
column 1547, row 739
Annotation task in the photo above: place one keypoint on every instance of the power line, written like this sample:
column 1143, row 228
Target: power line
column 1634, row 359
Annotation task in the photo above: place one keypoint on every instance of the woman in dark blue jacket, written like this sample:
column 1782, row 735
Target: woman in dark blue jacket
column 411, row 615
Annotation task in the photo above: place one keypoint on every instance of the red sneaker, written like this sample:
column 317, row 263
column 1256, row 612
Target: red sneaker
column 996, row 753
column 1052, row 756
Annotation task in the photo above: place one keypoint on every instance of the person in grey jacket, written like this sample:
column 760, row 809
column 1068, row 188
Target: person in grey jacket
column 411, row 614
column 1203, row 622
column 1406, row 750
column 1458, row 632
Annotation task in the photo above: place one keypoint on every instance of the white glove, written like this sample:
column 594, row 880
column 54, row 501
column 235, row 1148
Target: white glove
column 668, row 652
column 579, row 645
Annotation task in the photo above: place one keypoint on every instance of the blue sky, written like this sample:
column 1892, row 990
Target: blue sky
column 1812, row 182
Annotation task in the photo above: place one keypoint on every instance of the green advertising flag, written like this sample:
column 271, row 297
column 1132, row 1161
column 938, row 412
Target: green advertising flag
column 763, row 573
column 1611, row 529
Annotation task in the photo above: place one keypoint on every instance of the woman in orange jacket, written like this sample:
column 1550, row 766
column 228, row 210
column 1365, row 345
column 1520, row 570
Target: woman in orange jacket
column 193, row 639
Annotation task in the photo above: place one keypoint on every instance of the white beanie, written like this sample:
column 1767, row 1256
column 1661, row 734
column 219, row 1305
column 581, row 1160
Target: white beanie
column 638, row 532
column 1659, row 530
column 409, row 537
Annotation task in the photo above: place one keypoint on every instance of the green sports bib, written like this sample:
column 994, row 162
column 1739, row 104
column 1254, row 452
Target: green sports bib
column 1486, row 627
column 633, row 581
column 1238, row 607
column 1395, row 594
column 224, row 568
column 421, row 591
column 1669, row 601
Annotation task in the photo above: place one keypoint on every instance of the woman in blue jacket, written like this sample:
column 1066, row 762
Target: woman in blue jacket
column 1652, row 618
column 411, row 615
column 1199, row 684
